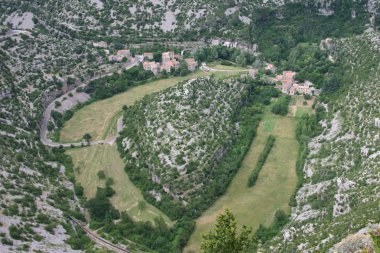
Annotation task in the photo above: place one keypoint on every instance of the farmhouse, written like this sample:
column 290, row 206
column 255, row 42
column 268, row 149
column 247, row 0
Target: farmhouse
column 169, row 65
column 305, row 88
column 191, row 64
column 290, row 86
column 152, row 66
column 124, row 53
column 167, row 56
column 148, row 56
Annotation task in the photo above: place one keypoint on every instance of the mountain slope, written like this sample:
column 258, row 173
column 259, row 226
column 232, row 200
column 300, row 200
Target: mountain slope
column 341, row 190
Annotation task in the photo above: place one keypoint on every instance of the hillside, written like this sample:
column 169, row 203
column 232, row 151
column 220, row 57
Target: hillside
column 172, row 143
column 156, row 20
column 178, row 136
column 340, row 194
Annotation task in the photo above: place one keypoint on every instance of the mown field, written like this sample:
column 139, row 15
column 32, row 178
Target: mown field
column 273, row 189
column 89, row 160
column 99, row 118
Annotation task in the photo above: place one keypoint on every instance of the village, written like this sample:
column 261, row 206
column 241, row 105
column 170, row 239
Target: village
column 170, row 61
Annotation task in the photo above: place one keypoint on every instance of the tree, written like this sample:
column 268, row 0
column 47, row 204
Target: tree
column 101, row 175
column 87, row 137
column 225, row 238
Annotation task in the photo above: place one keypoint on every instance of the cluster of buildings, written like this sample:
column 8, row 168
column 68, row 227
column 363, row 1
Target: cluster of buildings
column 169, row 61
column 252, row 48
column 120, row 55
column 287, row 84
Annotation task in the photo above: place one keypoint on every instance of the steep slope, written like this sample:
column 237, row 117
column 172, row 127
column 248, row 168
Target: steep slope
column 341, row 190
column 151, row 20
column 36, row 195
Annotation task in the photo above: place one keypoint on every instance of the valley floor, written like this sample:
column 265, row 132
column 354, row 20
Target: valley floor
column 251, row 206
column 273, row 189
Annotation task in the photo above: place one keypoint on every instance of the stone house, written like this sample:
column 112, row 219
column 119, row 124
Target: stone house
column 124, row 53
column 191, row 64
column 167, row 56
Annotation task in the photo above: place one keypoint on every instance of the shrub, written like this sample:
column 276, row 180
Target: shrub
column 261, row 161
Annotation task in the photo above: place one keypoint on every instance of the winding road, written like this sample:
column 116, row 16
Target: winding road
column 76, row 98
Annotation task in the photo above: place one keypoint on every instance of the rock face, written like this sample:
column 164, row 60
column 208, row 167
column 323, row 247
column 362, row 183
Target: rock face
column 341, row 191
column 180, row 135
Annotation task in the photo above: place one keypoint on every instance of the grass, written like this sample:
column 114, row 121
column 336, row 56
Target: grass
column 224, row 67
column 99, row 118
column 273, row 189
column 89, row 160
column 297, row 109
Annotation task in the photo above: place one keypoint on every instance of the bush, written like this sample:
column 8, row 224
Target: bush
column 101, row 175
column 262, row 158
column 281, row 107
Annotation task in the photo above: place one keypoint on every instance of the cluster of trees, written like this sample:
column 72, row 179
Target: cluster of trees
column 209, row 54
column 301, row 22
column 100, row 206
column 224, row 238
column 60, row 118
column 108, row 86
column 261, row 161
column 281, row 106
column 309, row 62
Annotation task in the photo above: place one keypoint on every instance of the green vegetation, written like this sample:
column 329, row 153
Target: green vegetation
column 262, row 158
column 224, row 238
column 205, row 95
column 279, row 30
column 226, row 55
column 281, row 106
column 98, row 118
column 96, row 163
column 278, row 175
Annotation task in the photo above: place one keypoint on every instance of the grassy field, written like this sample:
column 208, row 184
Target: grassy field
column 297, row 108
column 224, row 67
column 89, row 160
column 99, row 118
column 273, row 189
